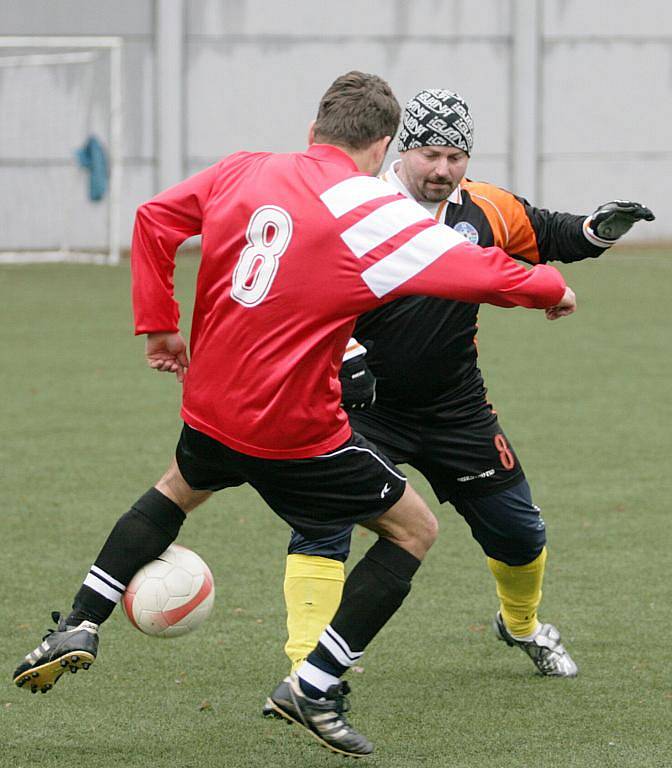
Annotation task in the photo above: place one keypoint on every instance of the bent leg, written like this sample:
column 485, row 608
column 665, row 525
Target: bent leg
column 374, row 590
column 139, row 536
column 512, row 533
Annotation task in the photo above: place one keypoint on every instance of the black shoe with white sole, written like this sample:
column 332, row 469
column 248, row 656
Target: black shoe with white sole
column 323, row 718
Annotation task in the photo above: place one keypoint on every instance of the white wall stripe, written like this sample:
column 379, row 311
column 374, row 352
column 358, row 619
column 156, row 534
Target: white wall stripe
column 353, row 192
column 363, row 450
column 412, row 257
column 99, row 586
column 100, row 572
column 382, row 224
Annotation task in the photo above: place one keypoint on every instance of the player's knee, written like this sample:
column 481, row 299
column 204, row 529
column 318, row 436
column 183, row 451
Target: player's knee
column 429, row 530
column 421, row 530
column 507, row 525
column 523, row 545
column 409, row 524
column 176, row 488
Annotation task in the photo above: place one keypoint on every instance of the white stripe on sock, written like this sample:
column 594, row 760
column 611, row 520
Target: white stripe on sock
column 102, row 588
column 100, row 572
column 316, row 677
column 338, row 648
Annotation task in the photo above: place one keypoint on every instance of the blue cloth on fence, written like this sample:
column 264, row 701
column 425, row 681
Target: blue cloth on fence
column 92, row 156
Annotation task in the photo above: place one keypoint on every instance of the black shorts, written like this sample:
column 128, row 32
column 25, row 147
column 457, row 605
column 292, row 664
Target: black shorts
column 318, row 496
column 461, row 458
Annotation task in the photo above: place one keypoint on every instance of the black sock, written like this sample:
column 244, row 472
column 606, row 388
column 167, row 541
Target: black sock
column 372, row 593
column 140, row 536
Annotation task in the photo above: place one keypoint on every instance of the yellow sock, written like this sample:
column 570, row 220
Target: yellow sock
column 313, row 589
column 519, row 593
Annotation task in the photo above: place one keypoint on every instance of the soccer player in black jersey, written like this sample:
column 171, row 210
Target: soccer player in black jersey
column 430, row 407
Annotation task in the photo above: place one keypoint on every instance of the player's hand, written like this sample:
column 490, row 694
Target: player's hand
column 167, row 352
column 358, row 384
column 612, row 220
column 566, row 306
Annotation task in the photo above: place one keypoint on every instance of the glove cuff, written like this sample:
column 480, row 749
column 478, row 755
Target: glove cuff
column 594, row 238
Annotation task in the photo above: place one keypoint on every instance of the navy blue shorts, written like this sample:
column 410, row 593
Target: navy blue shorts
column 507, row 525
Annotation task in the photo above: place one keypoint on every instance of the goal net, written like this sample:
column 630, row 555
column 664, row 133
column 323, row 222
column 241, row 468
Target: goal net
column 60, row 153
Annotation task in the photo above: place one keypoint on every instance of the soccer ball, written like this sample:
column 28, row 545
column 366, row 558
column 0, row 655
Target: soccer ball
column 170, row 596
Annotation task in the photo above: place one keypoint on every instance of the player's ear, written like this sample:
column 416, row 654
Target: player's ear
column 382, row 147
column 311, row 133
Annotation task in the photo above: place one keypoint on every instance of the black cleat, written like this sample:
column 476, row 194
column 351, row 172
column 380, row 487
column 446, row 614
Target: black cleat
column 323, row 718
column 63, row 648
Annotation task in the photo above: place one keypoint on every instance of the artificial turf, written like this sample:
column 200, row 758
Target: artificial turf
column 86, row 428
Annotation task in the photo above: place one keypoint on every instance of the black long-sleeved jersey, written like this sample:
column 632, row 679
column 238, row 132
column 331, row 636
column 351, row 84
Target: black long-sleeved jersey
column 424, row 352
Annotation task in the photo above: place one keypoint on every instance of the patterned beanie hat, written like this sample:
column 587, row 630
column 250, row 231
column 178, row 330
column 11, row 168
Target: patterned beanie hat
column 435, row 117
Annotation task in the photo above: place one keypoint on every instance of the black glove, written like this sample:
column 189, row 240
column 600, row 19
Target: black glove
column 612, row 220
column 358, row 384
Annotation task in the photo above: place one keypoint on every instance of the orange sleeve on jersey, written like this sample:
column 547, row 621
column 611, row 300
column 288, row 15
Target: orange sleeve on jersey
column 506, row 215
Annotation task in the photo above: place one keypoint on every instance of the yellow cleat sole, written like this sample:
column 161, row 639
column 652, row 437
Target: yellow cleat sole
column 44, row 677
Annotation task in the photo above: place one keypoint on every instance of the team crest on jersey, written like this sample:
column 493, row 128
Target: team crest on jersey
column 467, row 230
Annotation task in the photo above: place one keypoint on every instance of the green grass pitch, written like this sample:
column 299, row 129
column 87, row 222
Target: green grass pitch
column 86, row 428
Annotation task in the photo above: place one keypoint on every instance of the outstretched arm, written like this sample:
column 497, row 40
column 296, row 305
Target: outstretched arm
column 567, row 237
column 439, row 262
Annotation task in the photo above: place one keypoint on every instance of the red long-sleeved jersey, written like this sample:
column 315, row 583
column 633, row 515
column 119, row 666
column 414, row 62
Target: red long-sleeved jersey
column 294, row 248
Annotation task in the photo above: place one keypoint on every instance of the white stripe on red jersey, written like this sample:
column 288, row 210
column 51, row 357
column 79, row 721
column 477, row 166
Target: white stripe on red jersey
column 353, row 192
column 382, row 224
column 395, row 269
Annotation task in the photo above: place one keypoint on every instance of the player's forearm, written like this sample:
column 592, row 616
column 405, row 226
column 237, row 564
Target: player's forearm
column 152, row 267
column 161, row 226
column 562, row 237
column 488, row 276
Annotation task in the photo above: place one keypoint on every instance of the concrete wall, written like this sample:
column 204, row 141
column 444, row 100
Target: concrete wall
column 253, row 71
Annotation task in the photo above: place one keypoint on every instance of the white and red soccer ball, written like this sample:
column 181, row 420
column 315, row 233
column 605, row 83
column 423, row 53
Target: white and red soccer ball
column 170, row 596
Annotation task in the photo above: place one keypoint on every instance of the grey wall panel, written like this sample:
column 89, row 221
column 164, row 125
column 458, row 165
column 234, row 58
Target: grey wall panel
column 261, row 96
column 76, row 17
column 605, row 18
column 49, row 207
column 138, row 187
column 254, row 71
column 351, row 18
column 138, row 99
column 581, row 185
column 607, row 97
column 491, row 169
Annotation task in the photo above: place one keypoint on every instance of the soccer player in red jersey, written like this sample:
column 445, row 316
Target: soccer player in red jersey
column 295, row 247
column 431, row 409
